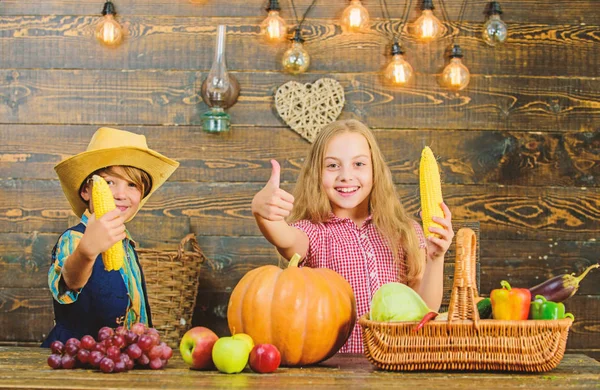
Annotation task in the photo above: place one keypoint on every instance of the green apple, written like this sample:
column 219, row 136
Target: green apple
column 230, row 355
column 246, row 338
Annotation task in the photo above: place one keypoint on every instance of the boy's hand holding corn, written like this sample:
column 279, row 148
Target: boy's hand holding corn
column 101, row 234
column 104, row 234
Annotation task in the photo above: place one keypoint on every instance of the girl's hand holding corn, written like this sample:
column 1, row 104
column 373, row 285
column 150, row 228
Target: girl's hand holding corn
column 436, row 216
column 438, row 244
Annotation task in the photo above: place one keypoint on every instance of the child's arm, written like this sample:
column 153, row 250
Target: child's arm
column 270, row 206
column 98, row 237
column 431, row 286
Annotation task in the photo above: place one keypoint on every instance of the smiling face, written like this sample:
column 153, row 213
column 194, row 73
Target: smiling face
column 126, row 193
column 348, row 176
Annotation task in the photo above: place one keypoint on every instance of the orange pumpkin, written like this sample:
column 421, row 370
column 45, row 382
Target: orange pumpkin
column 307, row 313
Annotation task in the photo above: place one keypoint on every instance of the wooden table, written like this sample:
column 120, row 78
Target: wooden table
column 26, row 367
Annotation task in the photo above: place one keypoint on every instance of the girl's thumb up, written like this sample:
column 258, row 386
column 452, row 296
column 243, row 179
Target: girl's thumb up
column 275, row 175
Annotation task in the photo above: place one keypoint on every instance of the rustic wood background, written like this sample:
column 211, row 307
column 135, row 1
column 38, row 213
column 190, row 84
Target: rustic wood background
column 519, row 148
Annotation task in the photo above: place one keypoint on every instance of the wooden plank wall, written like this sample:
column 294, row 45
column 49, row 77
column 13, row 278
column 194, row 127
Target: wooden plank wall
column 519, row 149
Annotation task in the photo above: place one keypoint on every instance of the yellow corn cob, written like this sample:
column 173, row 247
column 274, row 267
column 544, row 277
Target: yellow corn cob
column 103, row 202
column 431, row 190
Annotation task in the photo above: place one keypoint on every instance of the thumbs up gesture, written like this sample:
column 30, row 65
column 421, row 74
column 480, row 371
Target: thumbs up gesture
column 272, row 203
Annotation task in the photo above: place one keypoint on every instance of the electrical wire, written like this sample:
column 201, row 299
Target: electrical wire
column 386, row 14
column 461, row 16
column 303, row 16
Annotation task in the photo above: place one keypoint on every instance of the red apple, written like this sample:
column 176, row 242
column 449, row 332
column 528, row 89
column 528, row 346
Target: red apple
column 196, row 348
column 264, row 358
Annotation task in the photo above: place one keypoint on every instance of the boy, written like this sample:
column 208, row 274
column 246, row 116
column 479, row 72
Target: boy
column 86, row 296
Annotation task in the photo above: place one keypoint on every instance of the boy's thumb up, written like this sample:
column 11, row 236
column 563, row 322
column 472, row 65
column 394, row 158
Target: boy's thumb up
column 275, row 174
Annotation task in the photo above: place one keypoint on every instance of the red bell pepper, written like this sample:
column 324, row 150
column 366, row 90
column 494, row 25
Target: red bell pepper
column 510, row 303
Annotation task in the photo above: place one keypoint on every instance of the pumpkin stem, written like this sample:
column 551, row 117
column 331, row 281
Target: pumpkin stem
column 294, row 260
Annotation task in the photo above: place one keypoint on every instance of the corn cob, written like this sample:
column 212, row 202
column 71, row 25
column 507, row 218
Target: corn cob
column 103, row 202
column 431, row 190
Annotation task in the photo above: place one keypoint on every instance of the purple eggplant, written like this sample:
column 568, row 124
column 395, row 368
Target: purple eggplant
column 560, row 287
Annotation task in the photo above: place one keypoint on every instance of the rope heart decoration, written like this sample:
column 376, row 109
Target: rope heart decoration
column 307, row 108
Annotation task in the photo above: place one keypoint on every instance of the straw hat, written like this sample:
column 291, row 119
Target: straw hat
column 110, row 147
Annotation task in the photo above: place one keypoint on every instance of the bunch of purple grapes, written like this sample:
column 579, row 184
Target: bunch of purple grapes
column 116, row 350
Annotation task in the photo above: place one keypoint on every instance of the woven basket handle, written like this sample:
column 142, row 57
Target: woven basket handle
column 464, row 289
column 191, row 238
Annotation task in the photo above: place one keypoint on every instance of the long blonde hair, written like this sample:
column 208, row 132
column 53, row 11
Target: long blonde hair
column 389, row 216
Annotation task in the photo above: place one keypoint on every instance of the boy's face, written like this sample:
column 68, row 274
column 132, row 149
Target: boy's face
column 125, row 193
column 348, row 175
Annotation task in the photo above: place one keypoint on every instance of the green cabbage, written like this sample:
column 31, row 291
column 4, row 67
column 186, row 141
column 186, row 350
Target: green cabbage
column 397, row 302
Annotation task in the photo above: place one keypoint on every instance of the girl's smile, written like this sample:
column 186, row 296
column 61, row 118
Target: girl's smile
column 347, row 191
column 348, row 176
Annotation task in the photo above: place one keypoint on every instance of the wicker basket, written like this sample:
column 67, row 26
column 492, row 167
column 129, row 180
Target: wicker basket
column 172, row 279
column 465, row 342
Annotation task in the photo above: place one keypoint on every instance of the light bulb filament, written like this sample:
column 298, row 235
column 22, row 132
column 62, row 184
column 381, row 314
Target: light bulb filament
column 427, row 28
column 274, row 29
column 398, row 71
column 108, row 33
column 399, row 74
column 455, row 76
column 355, row 18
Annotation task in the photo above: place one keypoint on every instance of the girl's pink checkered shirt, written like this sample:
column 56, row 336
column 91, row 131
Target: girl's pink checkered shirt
column 360, row 255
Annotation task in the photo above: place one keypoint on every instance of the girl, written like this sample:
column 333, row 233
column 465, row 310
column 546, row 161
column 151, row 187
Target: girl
column 345, row 216
column 86, row 296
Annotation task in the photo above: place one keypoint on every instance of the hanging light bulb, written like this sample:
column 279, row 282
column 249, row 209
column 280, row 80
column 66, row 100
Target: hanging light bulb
column 274, row 27
column 427, row 27
column 109, row 31
column 494, row 29
column 296, row 60
column 355, row 16
column 398, row 72
column 455, row 75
